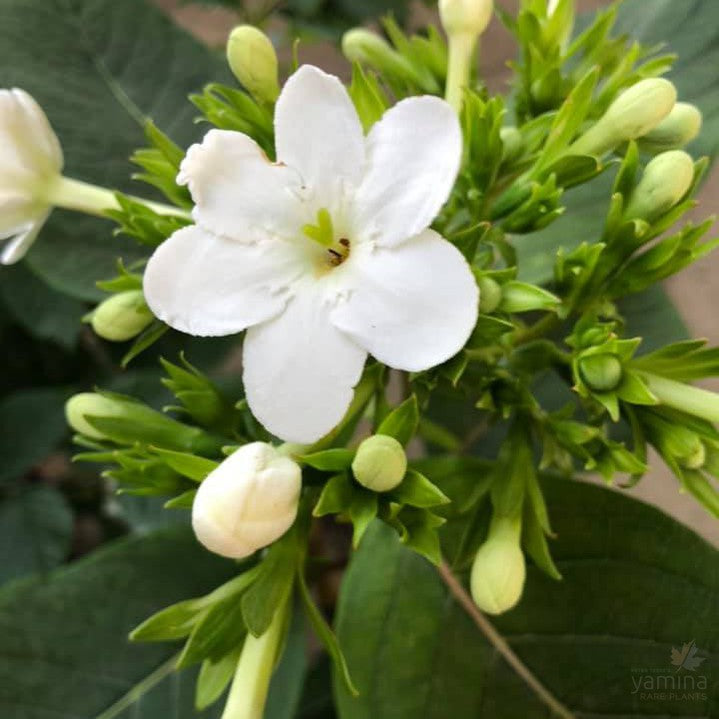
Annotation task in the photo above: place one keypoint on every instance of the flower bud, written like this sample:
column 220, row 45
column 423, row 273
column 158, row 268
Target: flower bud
column 667, row 178
column 122, row 316
column 601, row 372
column 499, row 569
column 368, row 48
column 248, row 502
column 675, row 131
column 512, row 143
column 127, row 421
column 253, row 61
column 633, row 114
column 380, row 463
column 490, row 294
column 469, row 17
column 30, row 159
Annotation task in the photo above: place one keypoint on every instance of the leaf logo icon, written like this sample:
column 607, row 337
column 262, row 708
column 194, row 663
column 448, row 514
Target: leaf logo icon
column 686, row 657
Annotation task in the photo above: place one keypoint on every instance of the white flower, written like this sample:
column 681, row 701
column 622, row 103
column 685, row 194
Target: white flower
column 247, row 502
column 373, row 280
column 30, row 158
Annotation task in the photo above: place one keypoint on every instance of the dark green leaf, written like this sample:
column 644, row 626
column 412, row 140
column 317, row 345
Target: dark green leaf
column 53, row 627
column 635, row 586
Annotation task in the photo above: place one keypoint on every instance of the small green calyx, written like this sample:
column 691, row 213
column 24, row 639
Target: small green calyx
column 380, row 463
column 601, row 372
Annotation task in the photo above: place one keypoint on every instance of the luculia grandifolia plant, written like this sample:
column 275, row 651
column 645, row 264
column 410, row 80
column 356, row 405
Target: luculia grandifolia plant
column 362, row 243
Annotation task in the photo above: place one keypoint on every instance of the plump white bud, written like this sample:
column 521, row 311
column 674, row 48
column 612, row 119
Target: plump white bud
column 675, row 131
column 465, row 16
column 380, row 463
column 247, row 502
column 122, row 316
column 253, row 61
column 499, row 568
column 637, row 111
column 667, row 178
column 30, row 159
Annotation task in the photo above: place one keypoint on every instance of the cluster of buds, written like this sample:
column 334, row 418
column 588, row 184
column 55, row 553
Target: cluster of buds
column 645, row 110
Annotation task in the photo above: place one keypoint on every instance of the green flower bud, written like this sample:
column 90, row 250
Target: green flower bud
column 490, row 294
column 127, row 421
column 675, row 131
column 667, row 178
column 122, row 316
column 253, row 61
column 633, row 114
column 368, row 48
column 380, row 463
column 469, row 17
column 499, row 568
column 601, row 372
column 512, row 142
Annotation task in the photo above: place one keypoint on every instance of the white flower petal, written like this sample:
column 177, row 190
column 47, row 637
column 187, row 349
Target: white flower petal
column 318, row 133
column 412, row 306
column 28, row 145
column 238, row 192
column 207, row 285
column 413, row 157
column 299, row 370
column 16, row 248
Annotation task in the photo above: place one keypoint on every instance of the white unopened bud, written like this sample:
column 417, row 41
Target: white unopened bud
column 122, row 316
column 675, row 131
column 247, row 502
column 667, row 178
column 30, row 159
column 380, row 463
column 633, row 114
column 499, row 568
column 253, row 61
column 465, row 16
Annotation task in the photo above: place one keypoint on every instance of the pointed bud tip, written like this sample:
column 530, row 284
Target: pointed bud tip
column 469, row 17
column 253, row 61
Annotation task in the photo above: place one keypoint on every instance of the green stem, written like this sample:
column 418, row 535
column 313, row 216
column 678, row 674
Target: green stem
column 684, row 397
column 254, row 670
column 546, row 325
column 93, row 200
column 461, row 53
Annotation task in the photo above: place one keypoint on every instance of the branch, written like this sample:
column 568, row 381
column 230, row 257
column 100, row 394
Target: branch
column 500, row 643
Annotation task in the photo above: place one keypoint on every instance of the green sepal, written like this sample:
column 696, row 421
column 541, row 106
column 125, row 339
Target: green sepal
column 402, row 422
column 418, row 491
column 328, row 460
column 188, row 465
column 213, row 678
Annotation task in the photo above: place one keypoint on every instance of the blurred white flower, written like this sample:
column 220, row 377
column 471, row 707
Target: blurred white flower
column 30, row 159
column 324, row 255
column 247, row 502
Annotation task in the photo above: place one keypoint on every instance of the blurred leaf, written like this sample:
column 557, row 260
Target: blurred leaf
column 100, row 68
column 33, row 424
column 64, row 649
column 35, row 531
column 634, row 587
column 43, row 312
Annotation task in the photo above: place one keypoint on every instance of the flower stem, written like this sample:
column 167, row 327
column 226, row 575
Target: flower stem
column 461, row 52
column 684, row 397
column 500, row 643
column 93, row 200
column 254, row 670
